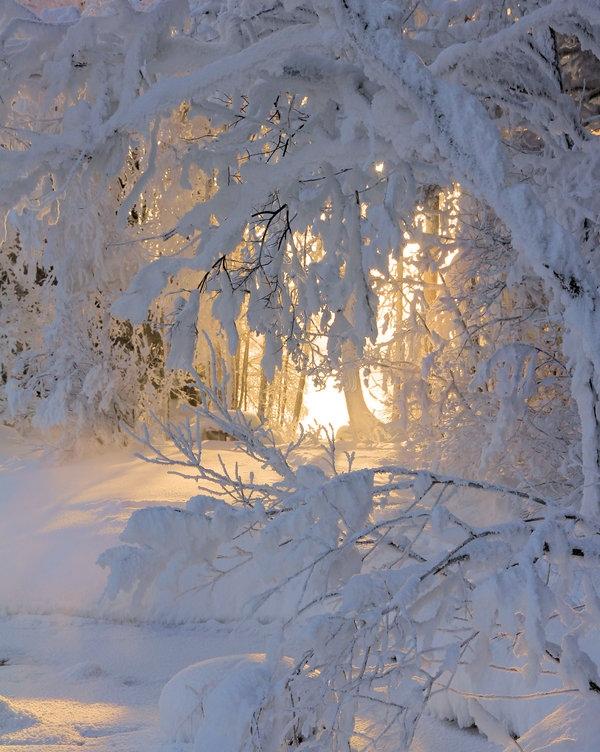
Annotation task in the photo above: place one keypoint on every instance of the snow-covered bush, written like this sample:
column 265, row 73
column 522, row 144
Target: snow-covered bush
column 211, row 704
column 397, row 590
column 217, row 704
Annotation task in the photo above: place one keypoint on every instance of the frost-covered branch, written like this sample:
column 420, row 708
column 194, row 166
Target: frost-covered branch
column 398, row 590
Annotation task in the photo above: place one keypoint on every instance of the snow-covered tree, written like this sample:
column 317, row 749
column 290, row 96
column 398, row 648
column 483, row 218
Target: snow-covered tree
column 279, row 178
column 393, row 190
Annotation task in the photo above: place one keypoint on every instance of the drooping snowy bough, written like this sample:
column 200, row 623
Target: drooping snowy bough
column 397, row 591
column 265, row 162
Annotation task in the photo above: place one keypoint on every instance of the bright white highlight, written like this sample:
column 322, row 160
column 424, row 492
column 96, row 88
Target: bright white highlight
column 324, row 407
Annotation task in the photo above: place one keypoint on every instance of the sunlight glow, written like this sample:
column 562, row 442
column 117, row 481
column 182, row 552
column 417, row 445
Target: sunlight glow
column 324, row 407
column 66, row 720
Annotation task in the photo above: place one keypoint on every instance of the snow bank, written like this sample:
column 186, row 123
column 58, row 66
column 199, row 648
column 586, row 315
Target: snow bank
column 64, row 514
column 65, row 15
column 211, row 704
column 12, row 719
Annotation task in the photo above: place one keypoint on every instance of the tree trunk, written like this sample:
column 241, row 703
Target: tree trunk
column 363, row 423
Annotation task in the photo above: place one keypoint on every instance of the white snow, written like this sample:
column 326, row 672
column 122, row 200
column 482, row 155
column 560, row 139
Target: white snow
column 74, row 674
column 63, row 514
column 71, row 678
column 71, row 681
column 391, row 593
column 211, row 703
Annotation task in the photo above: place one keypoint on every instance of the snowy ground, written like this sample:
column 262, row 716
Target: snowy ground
column 68, row 677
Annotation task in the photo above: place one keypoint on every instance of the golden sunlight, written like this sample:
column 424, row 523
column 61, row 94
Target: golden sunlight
column 63, row 721
column 324, row 406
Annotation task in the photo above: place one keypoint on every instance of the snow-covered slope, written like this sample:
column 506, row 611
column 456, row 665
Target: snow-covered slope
column 71, row 683
column 57, row 517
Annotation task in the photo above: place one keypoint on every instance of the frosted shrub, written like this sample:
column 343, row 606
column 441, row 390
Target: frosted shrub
column 396, row 590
